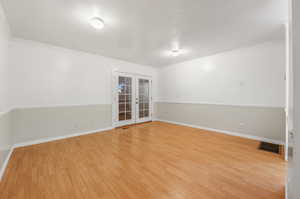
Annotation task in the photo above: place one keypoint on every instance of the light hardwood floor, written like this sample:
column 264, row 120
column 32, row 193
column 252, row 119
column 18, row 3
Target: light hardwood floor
column 154, row 160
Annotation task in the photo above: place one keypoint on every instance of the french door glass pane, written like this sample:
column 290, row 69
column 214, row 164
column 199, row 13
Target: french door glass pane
column 121, row 108
column 121, row 116
column 128, row 107
column 144, row 98
column 141, row 114
column 124, row 96
column 146, row 113
column 128, row 115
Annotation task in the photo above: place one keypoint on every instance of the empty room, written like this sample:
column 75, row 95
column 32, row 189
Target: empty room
column 172, row 99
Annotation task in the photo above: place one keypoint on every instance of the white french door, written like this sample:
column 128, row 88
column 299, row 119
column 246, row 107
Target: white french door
column 143, row 99
column 132, row 100
column 125, row 100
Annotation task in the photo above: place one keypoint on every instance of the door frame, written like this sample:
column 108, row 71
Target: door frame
column 115, row 74
column 288, row 88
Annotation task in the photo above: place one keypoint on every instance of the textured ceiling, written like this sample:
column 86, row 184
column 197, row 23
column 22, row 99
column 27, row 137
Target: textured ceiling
column 143, row 31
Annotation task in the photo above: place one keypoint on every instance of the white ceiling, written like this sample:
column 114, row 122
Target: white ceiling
column 142, row 31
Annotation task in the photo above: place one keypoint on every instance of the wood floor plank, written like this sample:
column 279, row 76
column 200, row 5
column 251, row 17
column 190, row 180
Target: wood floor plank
column 152, row 160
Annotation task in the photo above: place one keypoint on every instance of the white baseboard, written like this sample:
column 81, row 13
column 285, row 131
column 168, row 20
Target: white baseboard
column 43, row 140
column 5, row 163
column 252, row 137
column 219, row 104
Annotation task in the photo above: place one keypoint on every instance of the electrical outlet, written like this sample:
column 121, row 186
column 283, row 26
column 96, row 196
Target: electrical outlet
column 75, row 126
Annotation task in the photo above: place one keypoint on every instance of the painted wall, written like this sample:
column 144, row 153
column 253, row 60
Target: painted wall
column 261, row 123
column 248, row 83
column 31, row 124
column 54, row 76
column 44, row 75
column 4, row 41
column 6, row 139
column 58, row 92
column 248, row 76
column 5, row 130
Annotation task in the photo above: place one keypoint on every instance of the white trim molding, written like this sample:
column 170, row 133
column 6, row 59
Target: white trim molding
column 3, row 168
column 6, row 111
column 218, row 104
column 262, row 139
column 56, row 106
column 48, row 106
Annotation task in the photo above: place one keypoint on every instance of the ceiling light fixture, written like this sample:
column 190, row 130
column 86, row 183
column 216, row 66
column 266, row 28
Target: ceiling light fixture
column 97, row 23
column 175, row 52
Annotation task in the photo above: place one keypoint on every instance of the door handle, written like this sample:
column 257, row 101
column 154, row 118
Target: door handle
column 291, row 135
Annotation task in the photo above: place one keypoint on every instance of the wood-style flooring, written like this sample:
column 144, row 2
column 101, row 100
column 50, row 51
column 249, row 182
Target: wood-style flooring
column 149, row 161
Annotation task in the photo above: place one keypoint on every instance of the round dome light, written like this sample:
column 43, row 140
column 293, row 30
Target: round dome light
column 175, row 52
column 97, row 23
